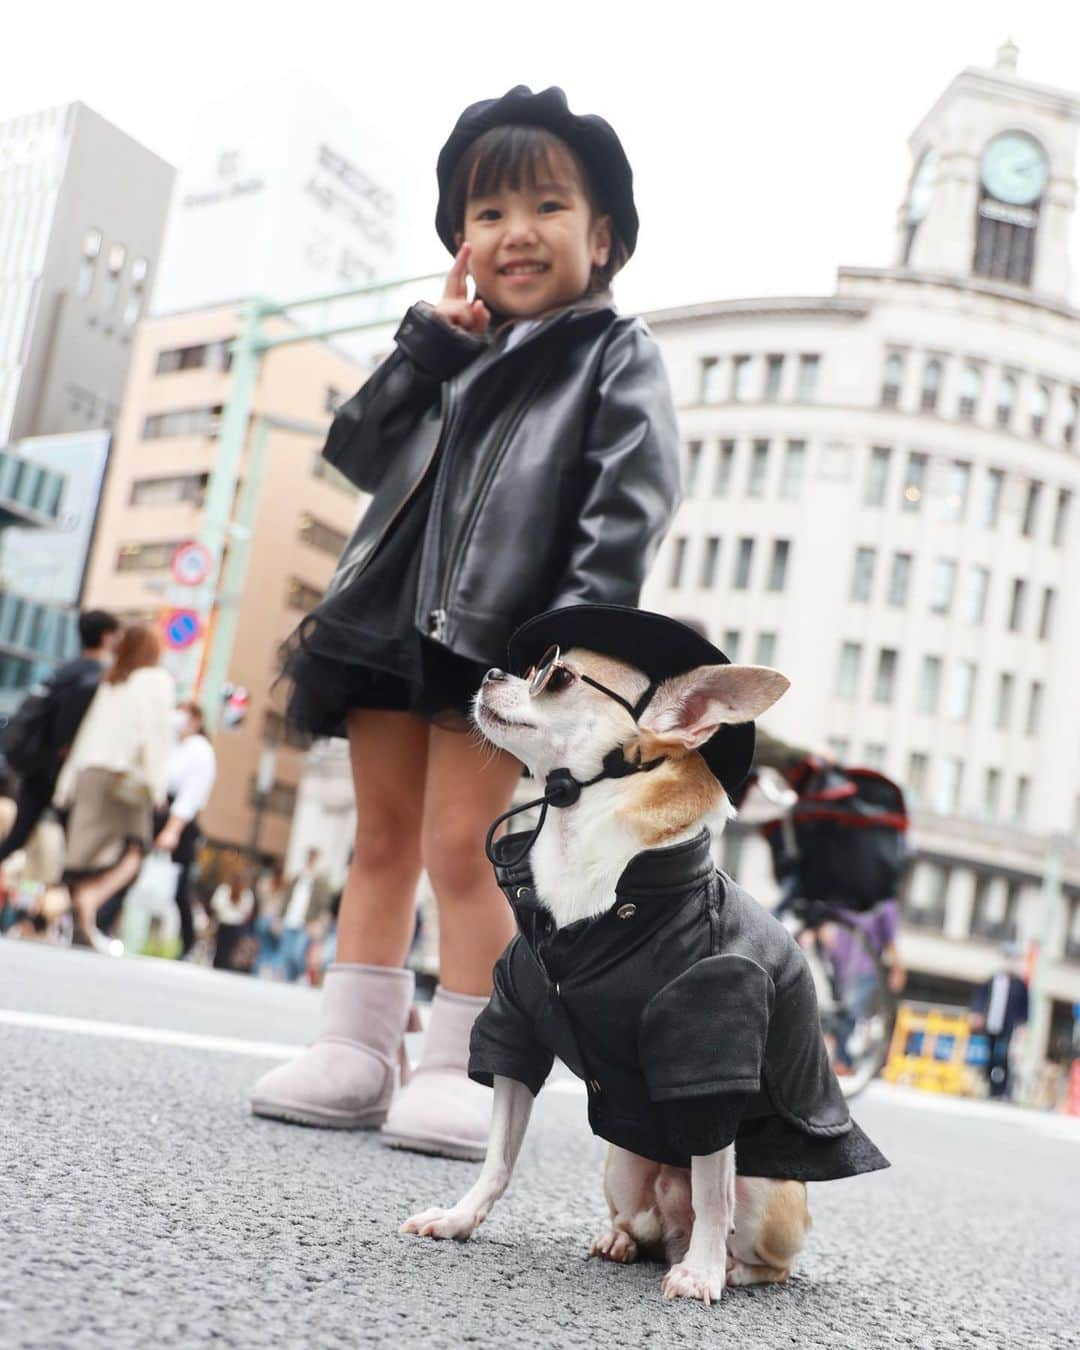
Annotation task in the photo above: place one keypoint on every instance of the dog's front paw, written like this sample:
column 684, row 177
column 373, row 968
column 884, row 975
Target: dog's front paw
column 691, row 1281
column 459, row 1224
column 614, row 1245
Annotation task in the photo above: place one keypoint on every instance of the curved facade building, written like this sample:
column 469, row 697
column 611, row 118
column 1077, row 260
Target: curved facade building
column 883, row 501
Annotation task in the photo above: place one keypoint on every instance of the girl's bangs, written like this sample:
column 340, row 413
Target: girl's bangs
column 513, row 158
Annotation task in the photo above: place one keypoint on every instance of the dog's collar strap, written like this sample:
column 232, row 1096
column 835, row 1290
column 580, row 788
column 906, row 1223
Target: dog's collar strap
column 561, row 789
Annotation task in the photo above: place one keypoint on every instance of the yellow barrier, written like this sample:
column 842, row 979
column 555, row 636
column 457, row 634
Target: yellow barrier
column 930, row 1050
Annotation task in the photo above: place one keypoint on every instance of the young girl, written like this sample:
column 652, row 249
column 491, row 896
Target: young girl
column 520, row 447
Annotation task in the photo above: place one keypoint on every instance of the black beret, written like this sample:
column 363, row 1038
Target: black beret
column 594, row 140
column 658, row 646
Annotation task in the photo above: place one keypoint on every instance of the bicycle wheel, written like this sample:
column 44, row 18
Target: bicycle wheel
column 856, row 1007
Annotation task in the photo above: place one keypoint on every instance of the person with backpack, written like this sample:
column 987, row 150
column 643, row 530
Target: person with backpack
column 39, row 736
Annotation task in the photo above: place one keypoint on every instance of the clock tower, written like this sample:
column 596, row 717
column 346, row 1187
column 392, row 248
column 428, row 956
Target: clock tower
column 992, row 188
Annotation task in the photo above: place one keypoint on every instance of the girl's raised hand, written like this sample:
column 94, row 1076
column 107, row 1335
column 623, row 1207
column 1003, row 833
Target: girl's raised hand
column 455, row 307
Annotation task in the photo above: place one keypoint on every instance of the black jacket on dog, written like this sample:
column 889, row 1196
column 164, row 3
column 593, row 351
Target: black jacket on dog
column 689, row 1012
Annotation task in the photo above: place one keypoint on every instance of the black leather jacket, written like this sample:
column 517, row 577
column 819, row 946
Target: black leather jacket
column 556, row 468
column 689, row 1011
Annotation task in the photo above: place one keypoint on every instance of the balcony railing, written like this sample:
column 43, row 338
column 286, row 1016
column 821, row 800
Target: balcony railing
column 919, row 917
column 1000, row 930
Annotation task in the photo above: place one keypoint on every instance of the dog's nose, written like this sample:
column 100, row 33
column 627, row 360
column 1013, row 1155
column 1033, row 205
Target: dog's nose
column 495, row 674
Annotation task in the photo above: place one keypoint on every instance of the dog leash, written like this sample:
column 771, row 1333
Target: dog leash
column 561, row 789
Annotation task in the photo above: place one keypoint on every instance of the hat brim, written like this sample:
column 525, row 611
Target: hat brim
column 655, row 644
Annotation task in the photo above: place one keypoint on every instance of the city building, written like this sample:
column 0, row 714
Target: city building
column 164, row 449
column 82, row 212
column 34, row 635
column 281, row 195
column 52, row 486
column 882, row 492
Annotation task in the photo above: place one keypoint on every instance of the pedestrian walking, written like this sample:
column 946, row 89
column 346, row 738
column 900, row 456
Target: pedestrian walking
column 189, row 781
column 521, row 449
column 999, row 1008
column 233, row 906
column 309, row 899
column 271, row 897
column 854, row 971
column 113, row 776
column 42, row 731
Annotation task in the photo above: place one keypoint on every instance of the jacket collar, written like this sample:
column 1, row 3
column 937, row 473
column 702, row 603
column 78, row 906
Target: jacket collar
column 678, row 867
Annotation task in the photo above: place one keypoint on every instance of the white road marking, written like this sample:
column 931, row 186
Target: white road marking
column 123, row 1031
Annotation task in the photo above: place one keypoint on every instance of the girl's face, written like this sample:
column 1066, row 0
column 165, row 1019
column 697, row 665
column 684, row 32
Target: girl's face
column 534, row 248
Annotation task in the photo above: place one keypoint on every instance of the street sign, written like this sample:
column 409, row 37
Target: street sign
column 191, row 564
column 182, row 628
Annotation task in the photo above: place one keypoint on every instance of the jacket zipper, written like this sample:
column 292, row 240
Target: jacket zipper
column 438, row 618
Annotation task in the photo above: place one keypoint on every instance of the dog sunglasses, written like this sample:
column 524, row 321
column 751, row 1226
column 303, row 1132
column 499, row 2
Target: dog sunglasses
column 552, row 675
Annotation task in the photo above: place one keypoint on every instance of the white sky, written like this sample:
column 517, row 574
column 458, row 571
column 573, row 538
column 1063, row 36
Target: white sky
column 768, row 141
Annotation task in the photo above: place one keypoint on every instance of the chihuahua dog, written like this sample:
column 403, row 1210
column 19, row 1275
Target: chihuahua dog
column 712, row 1226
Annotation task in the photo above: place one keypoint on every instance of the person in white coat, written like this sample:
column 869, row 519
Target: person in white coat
column 114, row 776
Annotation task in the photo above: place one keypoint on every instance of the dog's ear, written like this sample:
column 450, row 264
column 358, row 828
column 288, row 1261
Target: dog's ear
column 689, row 708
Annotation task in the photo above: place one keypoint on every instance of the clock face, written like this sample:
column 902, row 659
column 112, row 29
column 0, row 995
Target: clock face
column 922, row 187
column 1014, row 169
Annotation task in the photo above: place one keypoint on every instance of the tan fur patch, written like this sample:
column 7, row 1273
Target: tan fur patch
column 665, row 802
column 784, row 1225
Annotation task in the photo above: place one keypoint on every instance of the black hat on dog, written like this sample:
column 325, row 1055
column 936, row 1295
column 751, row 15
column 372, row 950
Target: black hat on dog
column 658, row 646
column 590, row 136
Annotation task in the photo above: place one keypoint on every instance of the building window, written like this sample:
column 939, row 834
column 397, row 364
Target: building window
column 725, row 461
column 957, row 483
column 877, row 476
column 774, row 374
column 202, row 356
column 992, row 793
column 885, row 679
column 931, row 385
column 146, row 557
column 990, row 500
column 862, row 575
column 91, row 249
column 324, row 470
column 1006, row 400
column 950, row 780
column 1046, row 613
column 978, row 586
column 781, row 551
column 759, row 468
column 838, row 747
column 970, row 389
column 116, row 259
column 1003, row 704
column 809, row 369
column 321, row 536
column 1068, row 430
column 1031, row 509
column 710, row 560
column 1016, row 604
column 693, row 467
column 1061, row 516
column 900, row 579
column 892, row 380
column 140, row 270
column 794, row 469
column 710, row 380
column 301, row 596
column 874, row 755
column 1020, row 801
column 1040, row 409
column 741, row 370
column 678, row 562
column 1034, row 708
column 730, row 644
column 765, row 651
column 744, row 560
column 183, row 422
column 929, row 684
column 190, row 487
column 961, row 690
column 847, row 675
column 942, row 586
column 918, row 764
column 914, row 481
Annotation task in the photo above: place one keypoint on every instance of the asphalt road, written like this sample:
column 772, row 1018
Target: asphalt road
column 141, row 1205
